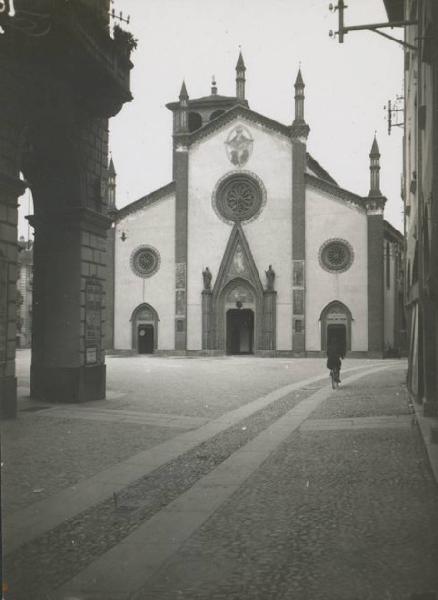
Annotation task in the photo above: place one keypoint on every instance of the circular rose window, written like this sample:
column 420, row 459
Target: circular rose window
column 238, row 198
column 336, row 255
column 145, row 261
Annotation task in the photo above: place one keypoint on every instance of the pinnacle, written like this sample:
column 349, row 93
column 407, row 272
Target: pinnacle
column 240, row 63
column 375, row 148
column 183, row 95
column 299, row 80
column 111, row 169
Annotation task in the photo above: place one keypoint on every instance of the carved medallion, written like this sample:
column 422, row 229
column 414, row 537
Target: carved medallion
column 145, row 261
column 336, row 255
column 238, row 197
column 239, row 145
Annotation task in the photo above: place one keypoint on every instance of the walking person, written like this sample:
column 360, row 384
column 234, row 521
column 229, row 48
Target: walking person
column 334, row 356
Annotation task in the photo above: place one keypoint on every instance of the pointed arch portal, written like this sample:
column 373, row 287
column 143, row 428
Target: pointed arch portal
column 239, row 316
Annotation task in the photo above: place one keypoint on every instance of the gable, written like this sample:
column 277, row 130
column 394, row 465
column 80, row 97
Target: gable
column 239, row 111
column 336, row 192
column 237, row 263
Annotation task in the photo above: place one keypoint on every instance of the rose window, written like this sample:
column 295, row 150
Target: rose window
column 145, row 261
column 239, row 198
column 336, row 255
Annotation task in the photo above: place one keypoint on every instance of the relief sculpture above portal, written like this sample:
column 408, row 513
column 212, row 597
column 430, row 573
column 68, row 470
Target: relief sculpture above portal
column 239, row 145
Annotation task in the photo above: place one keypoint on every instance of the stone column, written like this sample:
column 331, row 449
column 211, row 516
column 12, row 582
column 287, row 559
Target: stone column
column 68, row 306
column 207, row 319
column 269, row 320
column 298, row 244
column 299, row 134
column 375, row 277
column 10, row 189
column 375, row 203
column 181, row 209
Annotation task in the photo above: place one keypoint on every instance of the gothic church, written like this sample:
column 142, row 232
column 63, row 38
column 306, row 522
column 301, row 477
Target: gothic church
column 253, row 248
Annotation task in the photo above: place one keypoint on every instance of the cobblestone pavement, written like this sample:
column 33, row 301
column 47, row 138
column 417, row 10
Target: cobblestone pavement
column 333, row 515
column 42, row 455
column 335, row 512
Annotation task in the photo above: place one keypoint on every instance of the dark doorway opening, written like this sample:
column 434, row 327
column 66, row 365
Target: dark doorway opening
column 145, row 339
column 337, row 336
column 240, row 331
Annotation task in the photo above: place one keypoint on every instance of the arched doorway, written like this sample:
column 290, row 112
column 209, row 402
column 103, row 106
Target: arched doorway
column 336, row 326
column 240, row 331
column 144, row 329
column 145, row 338
column 239, row 311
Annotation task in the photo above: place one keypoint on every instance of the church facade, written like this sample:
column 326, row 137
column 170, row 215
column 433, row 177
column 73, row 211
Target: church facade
column 253, row 248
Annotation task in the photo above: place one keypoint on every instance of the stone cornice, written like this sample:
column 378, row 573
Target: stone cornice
column 12, row 185
column 375, row 205
column 335, row 190
column 72, row 218
column 238, row 111
column 299, row 129
column 146, row 200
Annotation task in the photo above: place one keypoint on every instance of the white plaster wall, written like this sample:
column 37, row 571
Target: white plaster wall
column 389, row 297
column 326, row 218
column 269, row 236
column 154, row 226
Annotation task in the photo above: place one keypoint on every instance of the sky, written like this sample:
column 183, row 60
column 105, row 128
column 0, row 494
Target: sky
column 347, row 85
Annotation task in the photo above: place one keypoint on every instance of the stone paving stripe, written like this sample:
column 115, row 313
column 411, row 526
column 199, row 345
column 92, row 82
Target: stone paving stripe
column 125, row 416
column 25, row 524
column 125, row 568
column 391, row 422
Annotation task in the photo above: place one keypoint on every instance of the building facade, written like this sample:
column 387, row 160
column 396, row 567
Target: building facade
column 420, row 194
column 253, row 248
column 24, row 293
column 63, row 74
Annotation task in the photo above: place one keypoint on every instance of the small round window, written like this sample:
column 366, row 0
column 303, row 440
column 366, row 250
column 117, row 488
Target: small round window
column 145, row 261
column 238, row 198
column 336, row 256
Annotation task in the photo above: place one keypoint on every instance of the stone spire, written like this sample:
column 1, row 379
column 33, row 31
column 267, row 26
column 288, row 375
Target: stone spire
column 183, row 123
column 183, row 95
column 111, row 187
column 111, row 169
column 299, row 97
column 240, row 78
column 375, row 170
column 299, row 126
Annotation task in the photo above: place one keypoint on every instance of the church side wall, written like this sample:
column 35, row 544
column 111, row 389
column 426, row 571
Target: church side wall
column 154, row 226
column 269, row 235
column 329, row 218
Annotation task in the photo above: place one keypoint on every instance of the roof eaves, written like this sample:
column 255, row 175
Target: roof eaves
column 215, row 99
column 393, row 231
column 334, row 189
column 320, row 171
column 230, row 114
column 144, row 201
